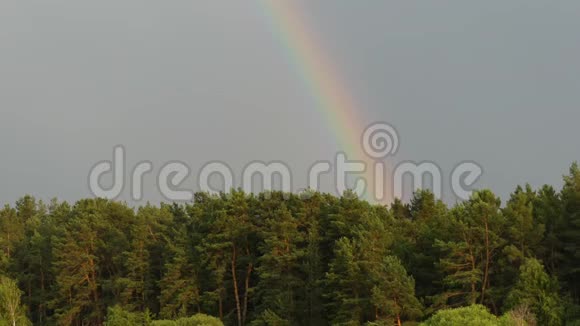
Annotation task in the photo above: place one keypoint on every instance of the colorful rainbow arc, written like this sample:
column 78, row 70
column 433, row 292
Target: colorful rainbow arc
column 333, row 99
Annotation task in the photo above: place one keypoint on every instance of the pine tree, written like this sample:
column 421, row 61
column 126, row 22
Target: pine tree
column 460, row 263
column 230, row 250
column 313, row 264
column 279, row 271
column 393, row 294
column 523, row 235
column 11, row 233
column 523, row 231
column 470, row 258
column 180, row 291
column 356, row 260
column 88, row 261
column 147, row 242
column 569, row 232
column 31, row 264
column 416, row 241
column 548, row 211
column 344, row 281
column 78, row 298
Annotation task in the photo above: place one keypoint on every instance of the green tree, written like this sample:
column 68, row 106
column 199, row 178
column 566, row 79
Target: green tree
column 31, row 261
column 344, row 280
column 535, row 289
column 75, row 253
column 393, row 294
column 523, row 231
column 196, row 320
column 147, row 241
column 230, row 250
column 180, row 292
column 470, row 258
column 472, row 315
column 311, row 214
column 11, row 310
column 281, row 280
column 548, row 211
column 569, row 233
column 460, row 262
column 523, row 234
column 88, row 261
column 11, row 231
column 116, row 316
column 415, row 241
column 357, row 267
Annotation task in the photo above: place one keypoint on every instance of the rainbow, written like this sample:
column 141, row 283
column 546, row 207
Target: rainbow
column 333, row 98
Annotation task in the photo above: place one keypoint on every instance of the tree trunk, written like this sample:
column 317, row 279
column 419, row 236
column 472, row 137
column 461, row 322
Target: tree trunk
column 41, row 310
column 221, row 306
column 487, row 262
column 236, row 290
column 247, row 288
column 473, row 297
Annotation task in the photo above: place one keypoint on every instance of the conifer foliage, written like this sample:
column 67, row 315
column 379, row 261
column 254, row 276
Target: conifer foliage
column 294, row 259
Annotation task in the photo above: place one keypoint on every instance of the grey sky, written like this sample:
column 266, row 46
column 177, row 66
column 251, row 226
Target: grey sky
column 497, row 82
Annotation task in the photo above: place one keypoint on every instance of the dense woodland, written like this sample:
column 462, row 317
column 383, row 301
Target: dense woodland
column 279, row 259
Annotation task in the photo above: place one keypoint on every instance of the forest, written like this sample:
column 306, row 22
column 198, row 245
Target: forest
column 295, row 259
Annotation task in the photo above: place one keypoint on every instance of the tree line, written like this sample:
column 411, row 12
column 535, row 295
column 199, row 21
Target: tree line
column 289, row 259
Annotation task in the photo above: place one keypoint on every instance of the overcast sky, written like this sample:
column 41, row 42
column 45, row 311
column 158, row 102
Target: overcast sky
column 496, row 82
